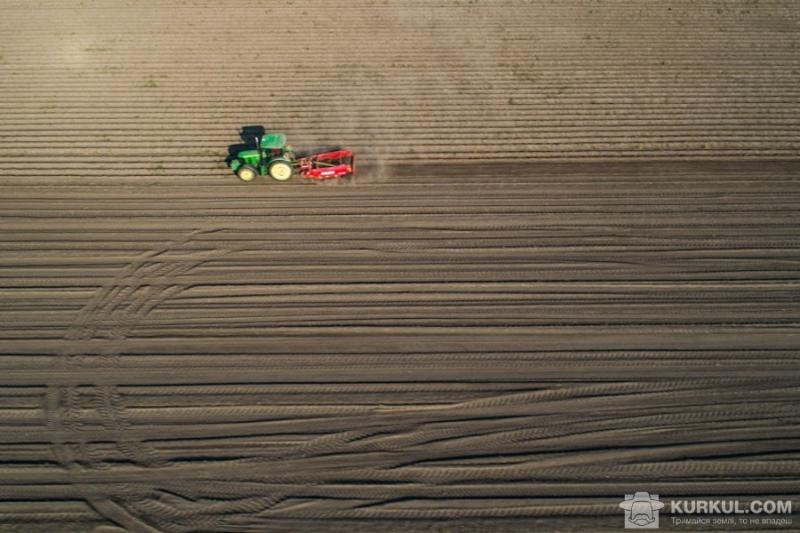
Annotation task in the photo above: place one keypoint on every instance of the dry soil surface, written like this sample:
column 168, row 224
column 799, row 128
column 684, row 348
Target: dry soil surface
column 568, row 269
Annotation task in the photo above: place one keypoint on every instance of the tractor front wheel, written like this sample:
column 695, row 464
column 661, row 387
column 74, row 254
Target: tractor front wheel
column 246, row 173
column 280, row 170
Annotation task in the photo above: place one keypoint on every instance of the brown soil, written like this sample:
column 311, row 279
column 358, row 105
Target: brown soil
column 566, row 271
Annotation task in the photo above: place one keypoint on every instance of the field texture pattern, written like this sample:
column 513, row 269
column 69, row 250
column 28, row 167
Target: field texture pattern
column 568, row 269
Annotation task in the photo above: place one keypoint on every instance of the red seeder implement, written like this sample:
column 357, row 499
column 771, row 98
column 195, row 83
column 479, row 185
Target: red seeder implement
column 327, row 165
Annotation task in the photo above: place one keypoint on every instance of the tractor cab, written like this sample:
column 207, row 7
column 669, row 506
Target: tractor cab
column 273, row 141
column 275, row 145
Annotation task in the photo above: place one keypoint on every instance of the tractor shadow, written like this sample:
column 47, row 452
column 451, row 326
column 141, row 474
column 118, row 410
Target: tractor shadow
column 248, row 135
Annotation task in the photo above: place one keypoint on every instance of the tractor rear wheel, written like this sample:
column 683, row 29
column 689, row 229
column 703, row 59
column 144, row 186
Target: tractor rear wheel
column 280, row 170
column 246, row 173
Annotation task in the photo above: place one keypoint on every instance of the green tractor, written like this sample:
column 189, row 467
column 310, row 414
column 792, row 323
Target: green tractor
column 273, row 157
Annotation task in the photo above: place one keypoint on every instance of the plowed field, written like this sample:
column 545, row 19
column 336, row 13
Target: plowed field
column 567, row 270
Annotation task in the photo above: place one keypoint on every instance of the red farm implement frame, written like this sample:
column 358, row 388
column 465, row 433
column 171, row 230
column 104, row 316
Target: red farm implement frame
column 327, row 165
